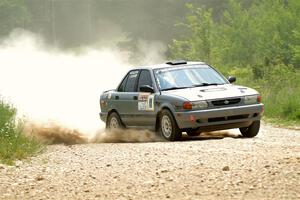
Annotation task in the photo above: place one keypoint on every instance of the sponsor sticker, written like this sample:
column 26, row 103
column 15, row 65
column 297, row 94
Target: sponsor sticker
column 143, row 96
column 151, row 102
column 142, row 105
column 133, row 74
column 146, row 102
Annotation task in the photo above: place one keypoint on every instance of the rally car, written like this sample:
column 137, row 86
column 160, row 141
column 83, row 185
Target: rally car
column 181, row 96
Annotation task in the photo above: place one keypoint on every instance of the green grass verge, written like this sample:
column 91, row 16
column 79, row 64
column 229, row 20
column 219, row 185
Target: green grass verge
column 279, row 86
column 14, row 145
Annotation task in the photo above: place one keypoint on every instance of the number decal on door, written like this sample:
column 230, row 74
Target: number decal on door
column 146, row 102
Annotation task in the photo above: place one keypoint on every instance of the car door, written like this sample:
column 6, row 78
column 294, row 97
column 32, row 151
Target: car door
column 145, row 113
column 126, row 99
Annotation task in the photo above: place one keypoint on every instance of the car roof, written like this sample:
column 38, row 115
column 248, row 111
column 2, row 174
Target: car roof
column 168, row 65
column 165, row 65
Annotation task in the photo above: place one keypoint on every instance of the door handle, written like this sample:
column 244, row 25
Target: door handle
column 135, row 98
column 117, row 97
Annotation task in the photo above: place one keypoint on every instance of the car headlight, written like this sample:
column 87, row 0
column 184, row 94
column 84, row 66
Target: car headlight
column 199, row 105
column 252, row 99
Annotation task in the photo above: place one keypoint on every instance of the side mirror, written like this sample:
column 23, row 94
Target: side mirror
column 231, row 79
column 146, row 88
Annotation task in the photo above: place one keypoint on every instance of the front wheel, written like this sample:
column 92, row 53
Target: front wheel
column 168, row 128
column 114, row 122
column 252, row 130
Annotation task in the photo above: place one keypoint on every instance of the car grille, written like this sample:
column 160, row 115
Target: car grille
column 226, row 102
column 234, row 117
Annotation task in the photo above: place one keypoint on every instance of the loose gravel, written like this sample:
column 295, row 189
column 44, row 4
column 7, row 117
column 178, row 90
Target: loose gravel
column 219, row 165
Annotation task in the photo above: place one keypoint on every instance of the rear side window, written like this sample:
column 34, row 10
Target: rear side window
column 123, row 84
column 145, row 79
column 131, row 81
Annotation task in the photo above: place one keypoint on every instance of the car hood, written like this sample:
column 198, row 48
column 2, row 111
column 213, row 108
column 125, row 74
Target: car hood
column 211, row 92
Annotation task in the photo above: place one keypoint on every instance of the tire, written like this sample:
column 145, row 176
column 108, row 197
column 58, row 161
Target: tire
column 168, row 128
column 114, row 122
column 251, row 131
column 193, row 133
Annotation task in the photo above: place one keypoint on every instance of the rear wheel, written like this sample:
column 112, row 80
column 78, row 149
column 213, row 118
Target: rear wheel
column 114, row 122
column 252, row 130
column 168, row 128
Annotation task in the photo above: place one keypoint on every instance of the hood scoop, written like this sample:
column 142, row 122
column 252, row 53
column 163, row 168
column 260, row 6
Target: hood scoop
column 242, row 89
column 213, row 89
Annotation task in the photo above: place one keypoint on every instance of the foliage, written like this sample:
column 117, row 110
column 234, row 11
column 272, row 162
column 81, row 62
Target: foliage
column 13, row 144
column 199, row 23
column 259, row 43
column 13, row 14
column 96, row 22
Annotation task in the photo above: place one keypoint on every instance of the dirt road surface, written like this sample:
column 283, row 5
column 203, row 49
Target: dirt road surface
column 216, row 166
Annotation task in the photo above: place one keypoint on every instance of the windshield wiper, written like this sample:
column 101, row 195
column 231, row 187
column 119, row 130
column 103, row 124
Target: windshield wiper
column 197, row 85
column 174, row 88
column 207, row 84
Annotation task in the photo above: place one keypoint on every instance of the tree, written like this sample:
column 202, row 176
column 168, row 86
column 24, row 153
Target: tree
column 197, row 45
column 295, row 44
column 13, row 14
column 249, row 33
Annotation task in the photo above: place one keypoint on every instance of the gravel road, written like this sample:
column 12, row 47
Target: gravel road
column 218, row 165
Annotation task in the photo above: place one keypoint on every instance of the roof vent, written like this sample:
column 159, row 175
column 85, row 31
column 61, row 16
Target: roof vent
column 177, row 62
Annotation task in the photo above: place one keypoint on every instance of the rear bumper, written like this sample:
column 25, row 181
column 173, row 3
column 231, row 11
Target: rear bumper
column 221, row 118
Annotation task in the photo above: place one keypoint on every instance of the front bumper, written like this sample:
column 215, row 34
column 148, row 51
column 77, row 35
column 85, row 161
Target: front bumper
column 228, row 117
column 103, row 116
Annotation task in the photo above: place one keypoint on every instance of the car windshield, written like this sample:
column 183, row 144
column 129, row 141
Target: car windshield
column 187, row 77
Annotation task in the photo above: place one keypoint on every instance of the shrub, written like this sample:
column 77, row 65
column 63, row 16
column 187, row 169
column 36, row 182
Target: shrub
column 14, row 145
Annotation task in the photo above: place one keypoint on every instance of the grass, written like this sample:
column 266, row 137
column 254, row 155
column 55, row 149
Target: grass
column 279, row 86
column 14, row 145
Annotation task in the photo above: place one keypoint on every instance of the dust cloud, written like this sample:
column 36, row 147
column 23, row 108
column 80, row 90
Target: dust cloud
column 57, row 92
column 52, row 133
